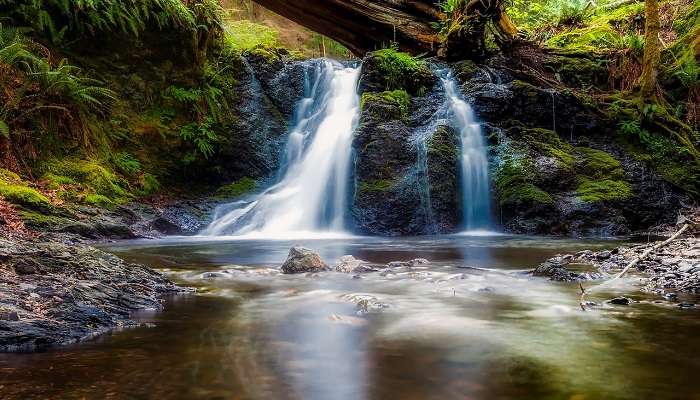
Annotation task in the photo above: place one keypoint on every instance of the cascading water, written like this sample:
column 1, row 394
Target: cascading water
column 474, row 161
column 312, row 190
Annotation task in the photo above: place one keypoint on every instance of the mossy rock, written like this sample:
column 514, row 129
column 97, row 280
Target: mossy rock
column 389, row 69
column 375, row 186
column 513, row 184
column 547, row 142
column 92, row 176
column 8, row 176
column 581, row 71
column 398, row 98
column 25, row 196
column 593, row 191
column 98, row 200
column 598, row 164
column 237, row 189
column 464, row 70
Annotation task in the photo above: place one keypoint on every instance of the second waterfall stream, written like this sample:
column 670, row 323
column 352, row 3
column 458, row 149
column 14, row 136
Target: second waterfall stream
column 311, row 194
column 476, row 198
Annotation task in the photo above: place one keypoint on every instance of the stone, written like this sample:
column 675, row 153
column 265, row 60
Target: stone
column 301, row 260
column 9, row 316
column 603, row 255
column 620, row 301
column 671, row 296
column 26, row 266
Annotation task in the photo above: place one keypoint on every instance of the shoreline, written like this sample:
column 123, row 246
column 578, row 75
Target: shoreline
column 53, row 294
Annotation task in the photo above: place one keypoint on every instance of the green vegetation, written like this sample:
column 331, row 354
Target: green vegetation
column 237, row 189
column 86, row 180
column 514, row 183
column 400, row 71
column 603, row 190
column 24, row 196
column 243, row 36
column 547, row 142
column 600, row 177
column 378, row 185
column 399, row 98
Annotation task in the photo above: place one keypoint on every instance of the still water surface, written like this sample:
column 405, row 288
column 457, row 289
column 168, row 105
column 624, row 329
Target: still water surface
column 470, row 326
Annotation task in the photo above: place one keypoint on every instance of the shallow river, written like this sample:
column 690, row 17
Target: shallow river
column 469, row 326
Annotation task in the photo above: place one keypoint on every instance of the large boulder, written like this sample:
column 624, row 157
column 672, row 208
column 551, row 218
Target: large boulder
column 407, row 162
column 301, row 259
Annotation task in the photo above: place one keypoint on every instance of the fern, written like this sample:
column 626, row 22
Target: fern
column 57, row 18
column 202, row 136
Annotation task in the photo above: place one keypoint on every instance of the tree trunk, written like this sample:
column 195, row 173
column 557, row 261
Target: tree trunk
column 366, row 25
column 652, row 50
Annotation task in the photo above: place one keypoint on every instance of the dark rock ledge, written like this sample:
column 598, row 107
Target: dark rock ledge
column 54, row 294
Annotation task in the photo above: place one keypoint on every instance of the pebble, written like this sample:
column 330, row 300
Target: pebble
column 671, row 296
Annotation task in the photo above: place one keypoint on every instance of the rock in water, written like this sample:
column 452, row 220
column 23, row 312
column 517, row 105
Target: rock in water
column 301, row 259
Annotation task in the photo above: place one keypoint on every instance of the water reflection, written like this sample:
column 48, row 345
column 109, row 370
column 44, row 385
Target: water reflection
column 443, row 331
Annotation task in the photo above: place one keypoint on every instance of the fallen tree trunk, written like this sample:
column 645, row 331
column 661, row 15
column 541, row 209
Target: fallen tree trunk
column 366, row 25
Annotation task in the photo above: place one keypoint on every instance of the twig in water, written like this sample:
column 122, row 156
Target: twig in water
column 631, row 264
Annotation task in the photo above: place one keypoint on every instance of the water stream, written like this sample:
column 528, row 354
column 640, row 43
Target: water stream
column 468, row 326
column 474, row 164
column 312, row 192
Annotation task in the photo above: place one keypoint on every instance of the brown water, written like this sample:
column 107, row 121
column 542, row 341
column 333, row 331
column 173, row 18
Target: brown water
column 448, row 332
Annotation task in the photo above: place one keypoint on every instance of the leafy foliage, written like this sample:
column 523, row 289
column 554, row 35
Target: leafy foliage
column 202, row 136
column 55, row 19
column 52, row 96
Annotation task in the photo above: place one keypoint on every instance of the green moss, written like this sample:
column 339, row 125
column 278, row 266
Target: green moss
column 57, row 181
column 593, row 191
column 513, row 184
column 8, row 176
column 246, row 35
column 547, row 142
column 237, row 188
column 24, row 196
column 91, row 176
column 98, row 200
column 440, row 146
column 400, row 98
column 582, row 69
column 400, row 70
column 377, row 185
column 267, row 53
column 598, row 164
column 602, row 31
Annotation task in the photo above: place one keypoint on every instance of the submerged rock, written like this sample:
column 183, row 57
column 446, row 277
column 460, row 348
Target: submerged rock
column 349, row 264
column 301, row 260
column 555, row 269
column 620, row 301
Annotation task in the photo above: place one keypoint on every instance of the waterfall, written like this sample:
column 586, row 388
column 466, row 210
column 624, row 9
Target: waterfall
column 311, row 194
column 474, row 161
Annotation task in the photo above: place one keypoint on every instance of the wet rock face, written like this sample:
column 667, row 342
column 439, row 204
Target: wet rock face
column 407, row 162
column 301, row 260
column 53, row 294
column 555, row 166
column 263, row 103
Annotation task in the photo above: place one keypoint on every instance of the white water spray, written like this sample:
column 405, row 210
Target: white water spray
column 310, row 198
column 474, row 161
